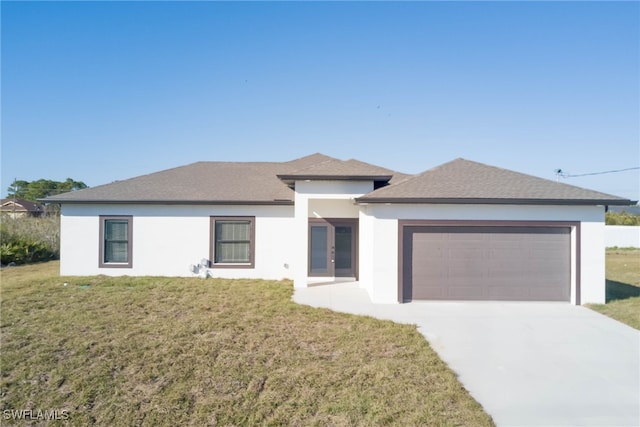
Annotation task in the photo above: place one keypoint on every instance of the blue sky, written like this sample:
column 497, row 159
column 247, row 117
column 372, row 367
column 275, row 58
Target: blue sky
column 104, row 91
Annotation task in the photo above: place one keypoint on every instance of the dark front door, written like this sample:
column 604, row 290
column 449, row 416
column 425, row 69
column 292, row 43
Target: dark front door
column 332, row 247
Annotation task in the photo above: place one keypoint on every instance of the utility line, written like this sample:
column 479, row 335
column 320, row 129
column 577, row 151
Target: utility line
column 559, row 172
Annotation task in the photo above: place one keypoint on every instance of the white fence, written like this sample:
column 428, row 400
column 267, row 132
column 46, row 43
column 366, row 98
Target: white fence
column 622, row 236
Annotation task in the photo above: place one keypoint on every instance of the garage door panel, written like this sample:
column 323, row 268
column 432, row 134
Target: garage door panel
column 549, row 249
column 430, row 292
column 429, row 237
column 472, row 269
column 509, row 293
column 546, row 293
column 448, row 293
column 553, row 269
column 503, row 239
column 500, row 253
column 507, row 272
column 547, row 254
column 487, row 263
column 471, row 292
column 428, row 252
column 465, row 253
column 464, row 238
column 435, row 276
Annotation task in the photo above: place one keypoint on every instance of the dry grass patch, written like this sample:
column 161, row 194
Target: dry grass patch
column 623, row 287
column 182, row 351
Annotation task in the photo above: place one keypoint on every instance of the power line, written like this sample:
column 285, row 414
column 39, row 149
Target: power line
column 560, row 173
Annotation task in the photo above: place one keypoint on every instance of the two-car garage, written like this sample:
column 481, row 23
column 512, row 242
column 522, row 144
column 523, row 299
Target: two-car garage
column 469, row 231
column 482, row 260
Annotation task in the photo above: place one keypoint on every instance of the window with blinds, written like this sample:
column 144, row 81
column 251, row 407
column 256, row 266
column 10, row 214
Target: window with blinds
column 115, row 250
column 116, row 240
column 233, row 241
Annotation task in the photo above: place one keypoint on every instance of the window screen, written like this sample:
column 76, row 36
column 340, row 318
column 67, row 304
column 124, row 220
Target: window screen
column 116, row 240
column 233, row 241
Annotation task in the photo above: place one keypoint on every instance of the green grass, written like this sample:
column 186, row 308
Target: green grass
column 623, row 287
column 177, row 351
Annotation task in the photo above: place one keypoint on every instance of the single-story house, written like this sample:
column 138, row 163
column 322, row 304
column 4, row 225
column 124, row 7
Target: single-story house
column 20, row 208
column 460, row 231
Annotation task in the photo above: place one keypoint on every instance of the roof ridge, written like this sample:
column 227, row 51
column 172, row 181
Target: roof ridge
column 315, row 165
column 415, row 176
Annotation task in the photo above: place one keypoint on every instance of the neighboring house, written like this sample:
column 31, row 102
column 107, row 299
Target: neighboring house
column 19, row 208
column 460, row 231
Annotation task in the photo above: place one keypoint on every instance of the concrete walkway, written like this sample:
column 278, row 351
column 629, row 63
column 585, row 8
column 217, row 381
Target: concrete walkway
column 527, row 364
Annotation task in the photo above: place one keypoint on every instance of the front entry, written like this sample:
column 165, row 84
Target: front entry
column 333, row 247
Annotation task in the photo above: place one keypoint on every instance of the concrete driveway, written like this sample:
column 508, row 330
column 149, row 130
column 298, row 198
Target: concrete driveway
column 527, row 364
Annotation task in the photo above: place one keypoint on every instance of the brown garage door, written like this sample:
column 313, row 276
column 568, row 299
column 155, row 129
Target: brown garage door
column 486, row 263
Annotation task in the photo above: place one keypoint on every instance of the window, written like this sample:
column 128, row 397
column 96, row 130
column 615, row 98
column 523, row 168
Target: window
column 115, row 241
column 233, row 243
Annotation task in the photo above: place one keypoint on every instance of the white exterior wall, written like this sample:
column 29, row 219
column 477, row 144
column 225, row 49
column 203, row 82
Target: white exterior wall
column 378, row 246
column 592, row 276
column 622, row 236
column 169, row 238
column 365, row 250
column 382, row 222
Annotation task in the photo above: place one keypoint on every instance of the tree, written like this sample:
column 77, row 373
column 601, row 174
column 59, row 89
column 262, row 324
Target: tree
column 42, row 188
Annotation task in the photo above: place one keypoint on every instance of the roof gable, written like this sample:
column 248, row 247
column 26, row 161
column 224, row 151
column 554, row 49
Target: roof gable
column 335, row 169
column 307, row 161
column 464, row 181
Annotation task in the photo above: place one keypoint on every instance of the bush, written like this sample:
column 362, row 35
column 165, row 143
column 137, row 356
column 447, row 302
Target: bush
column 25, row 240
column 621, row 218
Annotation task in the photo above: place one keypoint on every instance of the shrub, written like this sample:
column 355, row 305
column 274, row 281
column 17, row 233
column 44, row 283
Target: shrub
column 25, row 240
column 621, row 218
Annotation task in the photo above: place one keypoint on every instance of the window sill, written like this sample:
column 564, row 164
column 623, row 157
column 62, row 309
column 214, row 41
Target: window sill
column 115, row 265
column 232, row 265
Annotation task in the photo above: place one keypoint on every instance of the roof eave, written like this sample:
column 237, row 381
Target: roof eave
column 290, row 179
column 176, row 202
column 494, row 201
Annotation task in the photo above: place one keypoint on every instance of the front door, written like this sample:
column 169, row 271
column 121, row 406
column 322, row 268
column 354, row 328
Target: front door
column 332, row 247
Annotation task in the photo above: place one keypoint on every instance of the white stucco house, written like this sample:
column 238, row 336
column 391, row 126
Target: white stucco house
column 459, row 231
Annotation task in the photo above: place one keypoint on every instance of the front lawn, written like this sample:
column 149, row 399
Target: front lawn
column 623, row 287
column 176, row 351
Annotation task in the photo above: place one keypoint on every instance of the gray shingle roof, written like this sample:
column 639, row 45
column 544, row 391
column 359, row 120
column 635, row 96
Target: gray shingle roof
column 340, row 169
column 459, row 181
column 464, row 181
column 201, row 182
